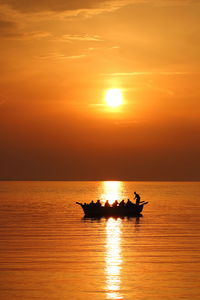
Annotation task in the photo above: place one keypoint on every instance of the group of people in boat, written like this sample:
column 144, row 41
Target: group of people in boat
column 122, row 203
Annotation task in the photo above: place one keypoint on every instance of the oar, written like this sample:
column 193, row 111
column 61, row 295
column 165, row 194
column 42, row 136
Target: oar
column 79, row 203
column 143, row 202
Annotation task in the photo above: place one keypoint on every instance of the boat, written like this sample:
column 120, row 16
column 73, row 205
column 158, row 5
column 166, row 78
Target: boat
column 95, row 210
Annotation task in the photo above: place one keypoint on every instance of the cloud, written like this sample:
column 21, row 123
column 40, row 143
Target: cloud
column 49, row 9
column 65, row 5
column 73, row 56
column 173, row 2
column 59, row 5
column 7, row 28
column 11, row 30
column 168, row 73
column 34, row 35
column 55, row 55
column 4, row 25
column 85, row 37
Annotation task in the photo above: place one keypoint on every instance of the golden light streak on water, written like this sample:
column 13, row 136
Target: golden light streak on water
column 49, row 251
column 113, row 259
column 112, row 190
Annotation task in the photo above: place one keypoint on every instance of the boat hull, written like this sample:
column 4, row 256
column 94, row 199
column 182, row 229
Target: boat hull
column 102, row 211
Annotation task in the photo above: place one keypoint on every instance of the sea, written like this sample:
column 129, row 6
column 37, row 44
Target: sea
column 49, row 251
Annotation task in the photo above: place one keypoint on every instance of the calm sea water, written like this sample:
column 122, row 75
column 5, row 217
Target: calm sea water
column 48, row 251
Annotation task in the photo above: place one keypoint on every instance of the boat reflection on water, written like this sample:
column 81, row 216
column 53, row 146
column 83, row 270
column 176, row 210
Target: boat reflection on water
column 113, row 258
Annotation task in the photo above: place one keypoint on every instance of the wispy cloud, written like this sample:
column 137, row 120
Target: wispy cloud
column 35, row 6
column 103, row 48
column 7, row 28
column 147, row 73
column 83, row 37
column 74, row 56
column 55, row 55
column 10, row 29
column 173, row 2
column 63, row 5
column 24, row 11
column 33, row 35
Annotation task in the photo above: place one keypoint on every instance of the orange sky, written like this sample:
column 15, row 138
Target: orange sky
column 57, row 60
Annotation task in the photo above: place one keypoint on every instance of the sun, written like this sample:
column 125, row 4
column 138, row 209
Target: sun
column 114, row 97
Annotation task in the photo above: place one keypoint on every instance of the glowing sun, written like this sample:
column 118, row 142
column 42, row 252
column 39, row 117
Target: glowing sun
column 114, row 97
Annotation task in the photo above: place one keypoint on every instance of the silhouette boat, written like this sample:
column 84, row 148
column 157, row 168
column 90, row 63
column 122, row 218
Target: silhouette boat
column 106, row 211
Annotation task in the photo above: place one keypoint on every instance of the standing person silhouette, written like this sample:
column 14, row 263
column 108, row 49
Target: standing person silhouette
column 137, row 198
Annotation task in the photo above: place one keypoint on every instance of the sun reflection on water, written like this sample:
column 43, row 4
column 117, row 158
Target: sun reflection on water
column 111, row 191
column 113, row 258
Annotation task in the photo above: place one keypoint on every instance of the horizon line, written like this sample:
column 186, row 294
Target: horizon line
column 91, row 180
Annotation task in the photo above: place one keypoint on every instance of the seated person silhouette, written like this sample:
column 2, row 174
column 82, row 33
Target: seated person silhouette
column 129, row 203
column 107, row 204
column 98, row 203
column 122, row 203
column 115, row 204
